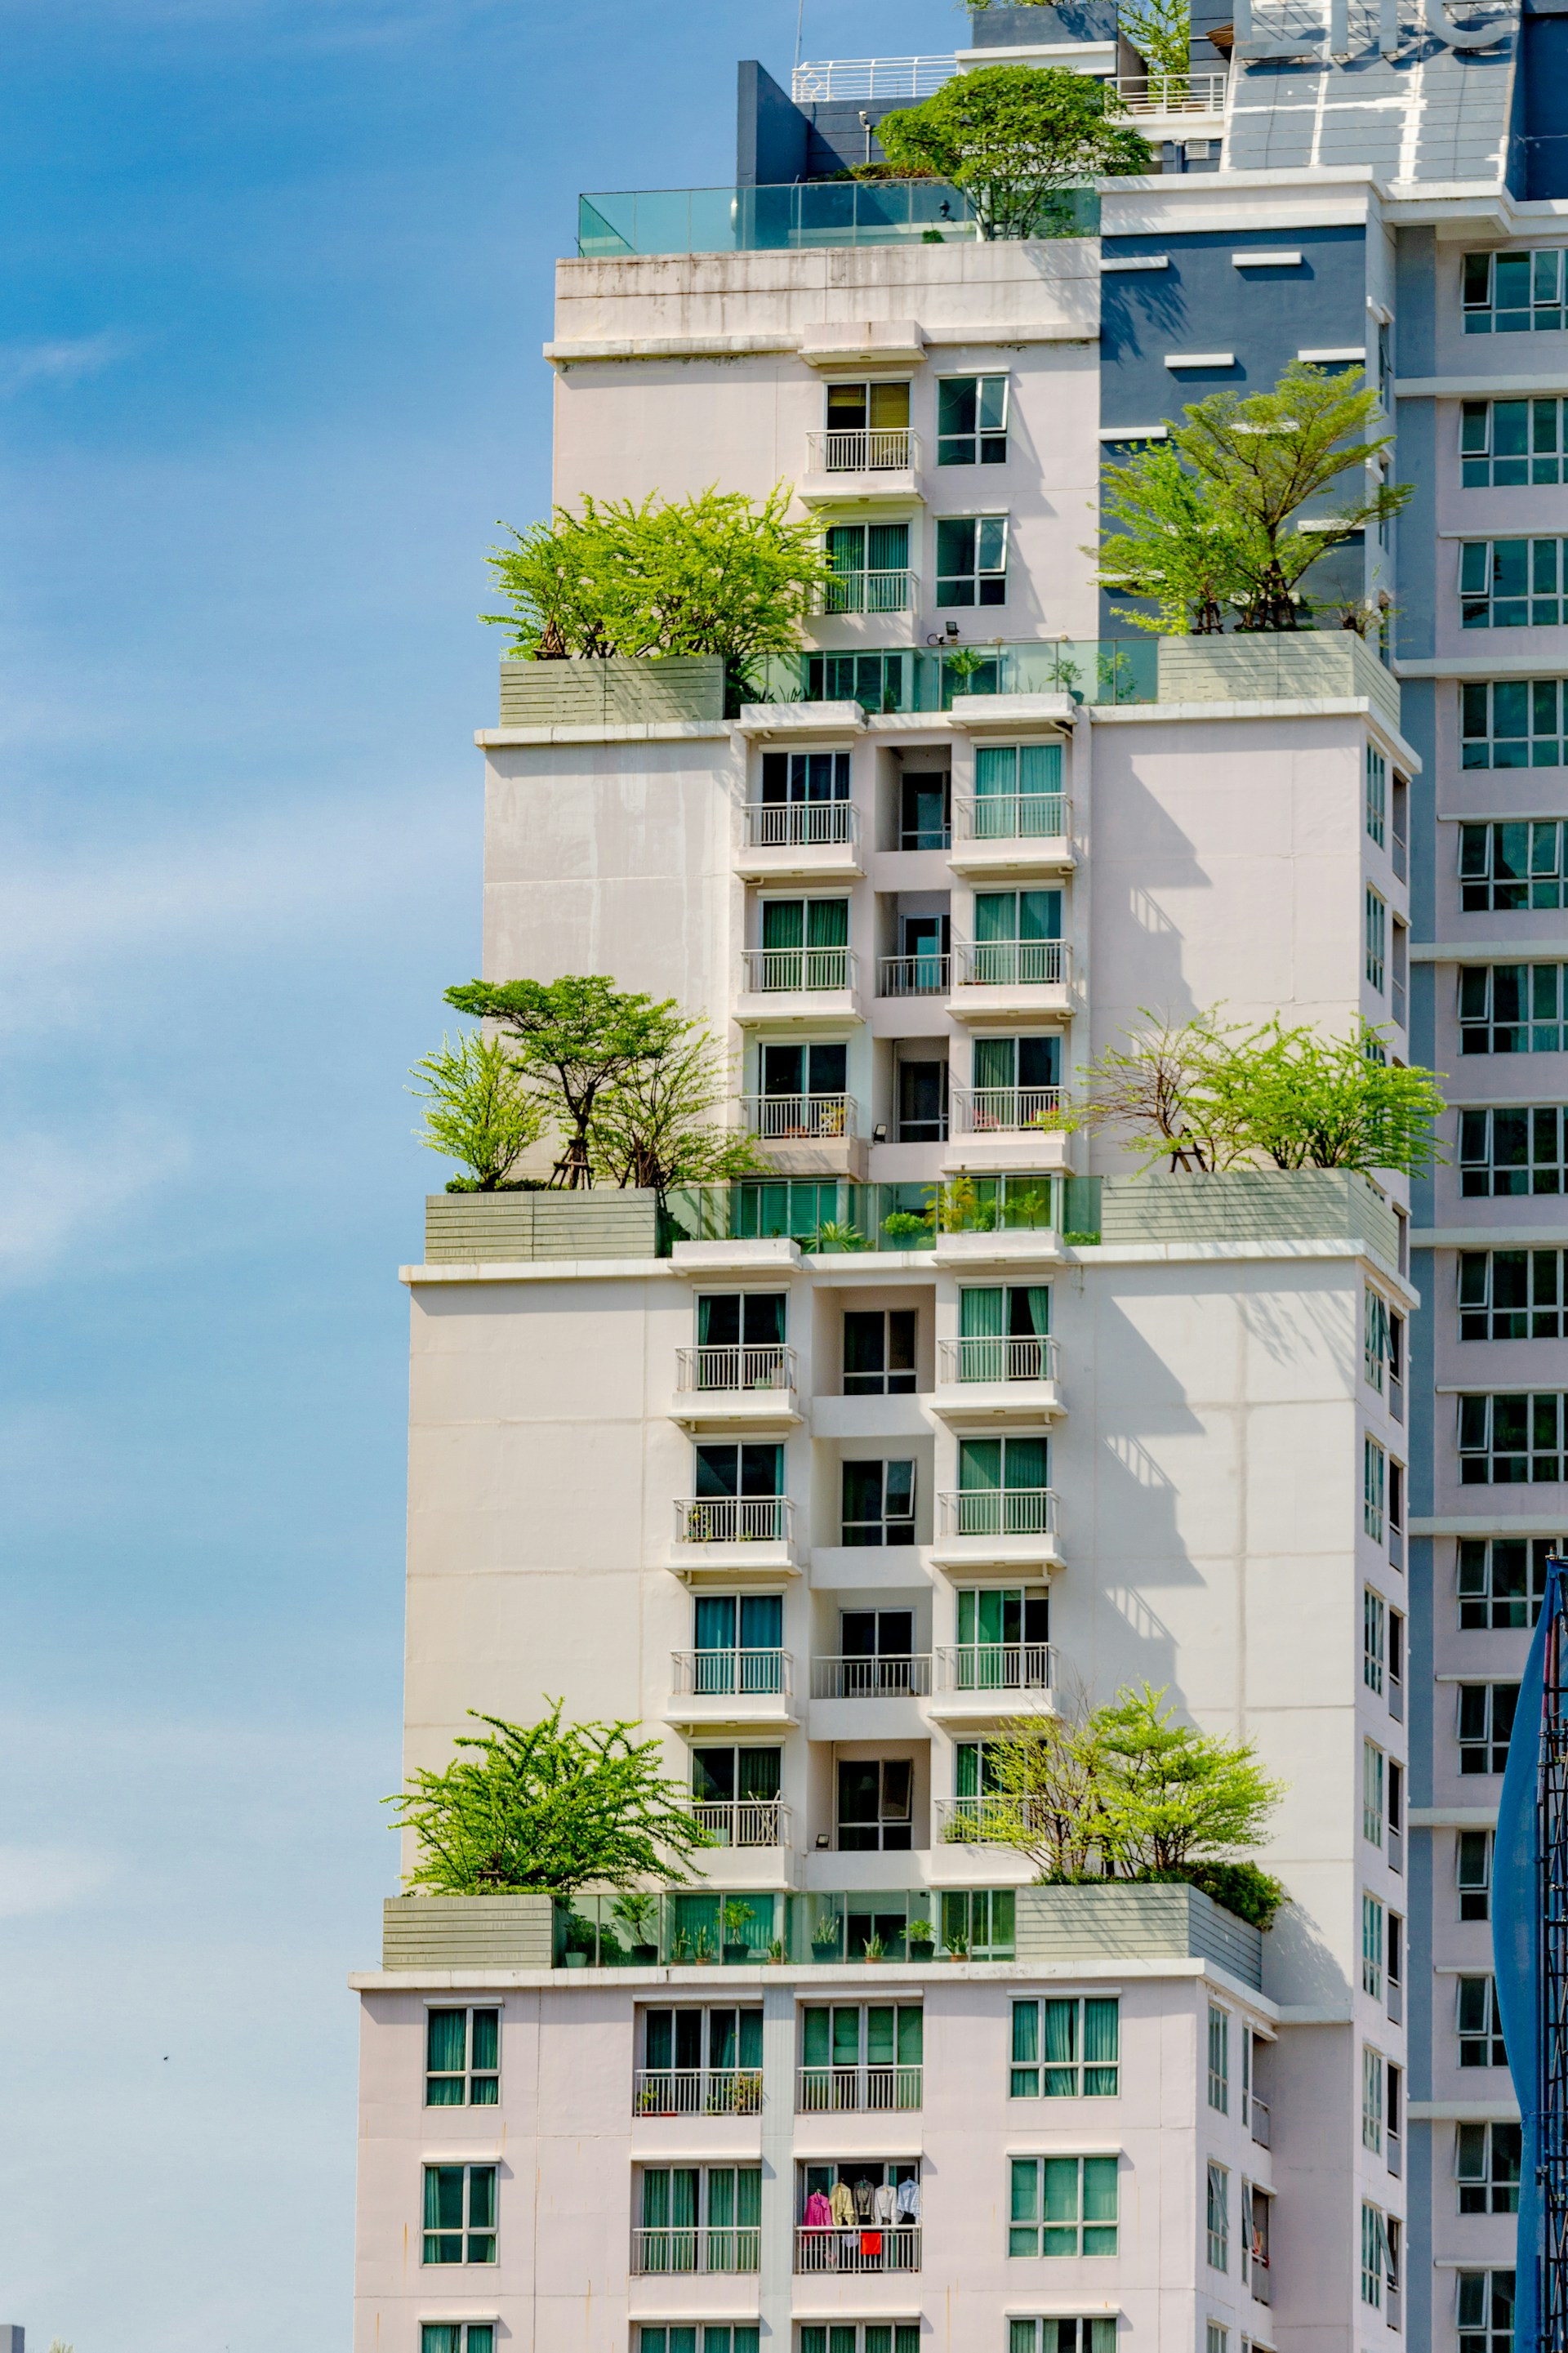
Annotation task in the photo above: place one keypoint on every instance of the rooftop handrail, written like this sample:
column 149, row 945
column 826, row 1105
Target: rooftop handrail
column 725, row 1368
column 820, row 80
column 997, row 1356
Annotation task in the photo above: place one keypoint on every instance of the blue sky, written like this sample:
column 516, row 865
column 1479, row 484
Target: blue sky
column 275, row 275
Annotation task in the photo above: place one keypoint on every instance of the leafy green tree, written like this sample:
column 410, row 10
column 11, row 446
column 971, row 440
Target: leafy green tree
column 1168, row 1795
column 1046, row 1774
column 482, row 1110
column 717, row 573
column 1160, row 30
column 1253, row 461
column 579, row 1036
column 1162, row 1091
column 1013, row 138
column 547, row 1806
column 654, row 1124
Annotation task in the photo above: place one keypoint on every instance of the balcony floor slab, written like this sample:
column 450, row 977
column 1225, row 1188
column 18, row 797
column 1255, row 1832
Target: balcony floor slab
column 967, row 1401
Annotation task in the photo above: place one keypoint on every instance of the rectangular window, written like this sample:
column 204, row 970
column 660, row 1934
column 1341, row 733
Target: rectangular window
column 852, row 2337
column 1479, row 2024
column 868, row 568
column 972, row 560
column 689, row 2337
column 1371, row 1792
column 1504, row 444
column 1066, row 2049
column 861, row 2055
column 809, row 779
column 697, row 2062
column 1217, row 2215
column 1003, row 1486
column 1511, row 724
column 880, row 1352
column 1512, row 1295
column 1372, row 1946
column 878, row 1503
column 1512, row 1441
column 459, row 2214
column 1505, row 870
column 1063, row 2206
column 462, row 2058
column 972, row 420
column 1510, row 584
column 1486, row 2166
column 876, row 1806
column 1018, row 792
column 1375, row 1338
column 1373, row 1624
column 1371, row 2098
column 1513, row 1151
column 699, row 2217
column 1511, row 1008
column 1373, row 2255
column 1064, row 2334
column 1374, row 1464
column 1376, row 793
column 1215, row 2339
column 1219, row 2059
column 1395, row 1814
column 1018, row 939
column 1511, row 293
column 880, row 682
column 461, row 2336
column 1473, row 1874
column 1396, row 1964
column 1486, row 1720
column 1486, row 2311
column 1503, row 1579
column 1004, row 1638
column 804, row 945
column 980, row 1921
column 1376, row 939
column 1003, row 1332
column 735, row 1791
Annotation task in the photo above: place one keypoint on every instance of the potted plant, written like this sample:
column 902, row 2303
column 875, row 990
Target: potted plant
column 702, row 1951
column 872, row 1948
column 905, row 1226
column 639, row 1914
column 580, row 1942
column 825, row 1938
column 777, row 1950
column 734, row 1918
column 680, row 1946
column 958, row 1945
column 922, row 1942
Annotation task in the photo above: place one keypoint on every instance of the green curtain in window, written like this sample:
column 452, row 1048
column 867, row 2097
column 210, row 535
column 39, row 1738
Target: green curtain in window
column 1061, row 2188
column 446, row 2044
column 759, row 1773
column 996, row 770
column 995, row 915
column 1099, row 2198
column 1100, row 2033
column 981, row 1315
column 996, row 1061
column 1040, row 769
column 880, row 2030
column 967, row 1780
column 440, row 2336
column 481, row 2337
column 1039, row 914
column 814, row 2039
column 979, row 1465
column 846, row 2038
column 1032, row 1304
column 846, row 547
column 1061, row 2035
column 749, row 2197
column 1025, row 2034
column 487, row 2041
column 783, row 922
column 1025, row 2205
column 911, row 2035
column 751, row 2035
column 443, row 2198
column 826, row 923
column 715, row 1621
column 1024, row 1463
column 721, row 2198
column 888, row 548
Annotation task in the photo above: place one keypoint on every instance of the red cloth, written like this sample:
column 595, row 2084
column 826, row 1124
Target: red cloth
column 871, row 2242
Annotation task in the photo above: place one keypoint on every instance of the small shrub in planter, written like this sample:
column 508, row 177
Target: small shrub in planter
column 922, row 1942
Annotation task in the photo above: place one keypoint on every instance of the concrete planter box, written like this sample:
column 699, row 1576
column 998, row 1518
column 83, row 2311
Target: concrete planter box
column 1118, row 1921
column 473, row 1932
column 464, row 1227
column 595, row 694
column 1315, row 666
column 1299, row 1205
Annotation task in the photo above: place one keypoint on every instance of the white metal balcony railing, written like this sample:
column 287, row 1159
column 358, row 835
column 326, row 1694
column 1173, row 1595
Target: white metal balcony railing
column 697, row 2091
column 813, row 1119
column 727, row 1370
column 1011, row 817
column 871, row 1678
column 843, row 2089
column 1012, row 964
column 772, row 970
column 733, row 1519
column 731, row 1675
column 914, row 976
column 745, row 1821
column 800, row 825
column 997, row 1512
column 1258, row 2118
column 987, row 1357
column 866, row 592
column 821, row 79
column 860, row 2247
column 684, row 2249
column 863, row 450
column 989, row 1820
column 987, row 1111
column 996, row 1667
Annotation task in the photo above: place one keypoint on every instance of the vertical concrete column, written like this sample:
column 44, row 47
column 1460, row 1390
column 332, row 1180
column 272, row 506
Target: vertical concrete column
column 778, row 2164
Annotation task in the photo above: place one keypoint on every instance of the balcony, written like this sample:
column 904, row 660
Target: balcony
column 697, row 2091
column 745, row 1821
column 1011, row 833
column 857, row 2248
column 915, row 678
column 984, row 1377
column 1005, row 1111
column 802, row 216
column 735, row 1385
column 733, row 1534
column 985, row 1681
column 871, row 1678
column 1258, row 2118
column 860, row 465
column 820, row 839
column 866, row 592
column 1023, row 977
column 914, row 976
column 984, row 1820
column 727, row 1687
column 839, row 2091
column 683, row 2249
column 792, row 985
column 820, row 80
column 1010, row 1527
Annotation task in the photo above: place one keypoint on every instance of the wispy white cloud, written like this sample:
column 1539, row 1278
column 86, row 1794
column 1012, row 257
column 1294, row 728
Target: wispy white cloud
column 38, row 1879
column 63, row 360
column 55, row 1196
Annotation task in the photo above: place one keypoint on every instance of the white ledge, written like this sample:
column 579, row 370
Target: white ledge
column 537, row 1270
column 1200, row 359
column 605, row 730
column 1349, row 352
column 1452, row 1818
column 1466, row 951
column 668, row 347
column 1263, row 261
column 1112, row 264
column 1491, row 1523
column 1462, row 2111
column 1478, row 387
column 1134, row 432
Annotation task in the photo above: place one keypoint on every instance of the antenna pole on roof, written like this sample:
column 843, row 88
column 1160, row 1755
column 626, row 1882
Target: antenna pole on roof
column 799, row 21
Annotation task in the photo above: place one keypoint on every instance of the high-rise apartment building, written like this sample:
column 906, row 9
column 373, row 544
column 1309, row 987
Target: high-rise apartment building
column 947, row 1416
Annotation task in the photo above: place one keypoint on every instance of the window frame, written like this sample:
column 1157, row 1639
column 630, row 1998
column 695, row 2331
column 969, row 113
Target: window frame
column 1478, row 308
column 1216, row 2216
column 1487, row 1743
column 1373, row 1946
column 1374, row 962
column 468, row 2074
column 1480, row 2332
column 1039, row 2222
column 1521, row 741
column 988, row 581
column 1540, row 1312
column 1473, row 1874
column 1493, row 2187
column 470, row 2231
column 889, row 1525
column 1373, row 1640
column 1535, row 992
column 462, row 2336
column 1025, row 2062
column 1218, row 2050
column 1489, row 2035
column 1538, row 459
column 1521, row 1460
column 983, row 432
column 1511, row 866
column 1481, row 1608
column 1373, row 1761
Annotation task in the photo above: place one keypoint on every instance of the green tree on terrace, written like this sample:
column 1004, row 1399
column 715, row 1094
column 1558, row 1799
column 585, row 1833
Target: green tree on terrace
column 575, row 1037
column 1014, row 138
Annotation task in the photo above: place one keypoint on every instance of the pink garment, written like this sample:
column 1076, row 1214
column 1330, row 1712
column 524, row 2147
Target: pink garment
column 818, row 2213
